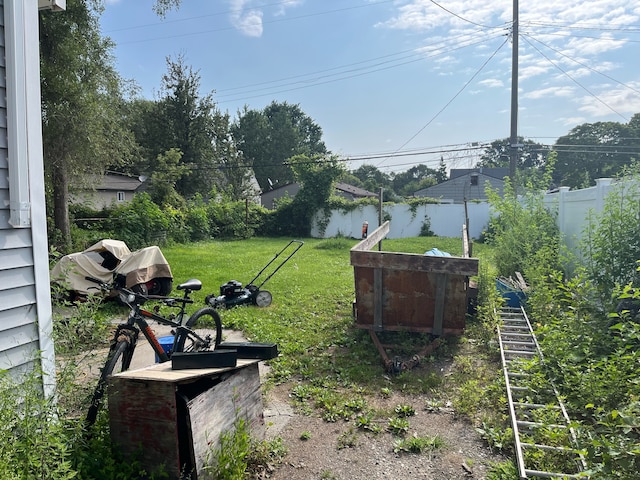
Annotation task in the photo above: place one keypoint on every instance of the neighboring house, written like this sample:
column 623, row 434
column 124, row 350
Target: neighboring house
column 466, row 184
column 26, row 341
column 269, row 199
column 110, row 188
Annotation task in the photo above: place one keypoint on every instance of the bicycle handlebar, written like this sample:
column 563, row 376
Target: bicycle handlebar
column 169, row 301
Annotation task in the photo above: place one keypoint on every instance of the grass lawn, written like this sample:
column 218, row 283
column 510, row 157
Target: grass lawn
column 311, row 315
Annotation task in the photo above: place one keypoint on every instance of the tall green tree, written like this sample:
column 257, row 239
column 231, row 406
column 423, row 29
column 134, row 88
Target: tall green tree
column 373, row 179
column 239, row 181
column 532, row 159
column 417, row 177
column 596, row 150
column 188, row 125
column 82, row 105
column 162, row 183
column 268, row 138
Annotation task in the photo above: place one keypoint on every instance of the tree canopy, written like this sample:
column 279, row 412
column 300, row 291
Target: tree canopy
column 268, row 138
column 596, row 150
column 82, row 105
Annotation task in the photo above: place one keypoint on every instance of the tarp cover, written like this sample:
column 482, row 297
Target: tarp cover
column 137, row 267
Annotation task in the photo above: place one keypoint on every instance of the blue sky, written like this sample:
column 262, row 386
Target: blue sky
column 388, row 79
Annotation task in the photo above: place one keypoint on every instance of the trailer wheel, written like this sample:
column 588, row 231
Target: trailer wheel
column 263, row 298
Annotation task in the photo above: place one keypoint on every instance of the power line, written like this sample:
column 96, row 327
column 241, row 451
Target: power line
column 585, row 65
column 350, row 74
column 462, row 18
column 418, row 51
column 262, row 22
column 454, row 97
column 577, row 26
column 575, row 81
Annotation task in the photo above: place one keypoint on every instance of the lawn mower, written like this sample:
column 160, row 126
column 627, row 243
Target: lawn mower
column 233, row 294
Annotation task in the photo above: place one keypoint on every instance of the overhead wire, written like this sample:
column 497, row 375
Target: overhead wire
column 454, row 97
column 419, row 51
column 262, row 22
column 323, row 76
column 576, row 81
column 582, row 64
column 344, row 76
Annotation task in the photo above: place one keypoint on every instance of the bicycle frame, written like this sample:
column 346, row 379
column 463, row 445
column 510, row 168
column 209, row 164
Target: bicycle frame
column 137, row 318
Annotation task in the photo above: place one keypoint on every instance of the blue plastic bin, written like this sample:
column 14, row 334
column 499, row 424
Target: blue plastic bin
column 514, row 298
column 167, row 344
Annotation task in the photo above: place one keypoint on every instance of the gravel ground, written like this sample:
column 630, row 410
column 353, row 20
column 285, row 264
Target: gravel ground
column 321, row 454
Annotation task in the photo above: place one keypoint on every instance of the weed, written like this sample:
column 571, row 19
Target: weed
column 347, row 439
column 398, row 426
column 497, row 437
column 386, row 391
column 503, row 471
column 306, row 435
column 229, row 461
column 417, row 444
column 327, row 475
column 367, row 422
column 264, row 455
column 404, row 411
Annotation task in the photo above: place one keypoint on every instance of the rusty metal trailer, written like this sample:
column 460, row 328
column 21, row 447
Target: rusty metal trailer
column 410, row 292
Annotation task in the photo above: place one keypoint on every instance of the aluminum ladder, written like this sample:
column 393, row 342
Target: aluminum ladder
column 532, row 409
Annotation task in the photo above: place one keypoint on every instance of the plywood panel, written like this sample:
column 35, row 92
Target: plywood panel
column 410, row 292
column 178, row 416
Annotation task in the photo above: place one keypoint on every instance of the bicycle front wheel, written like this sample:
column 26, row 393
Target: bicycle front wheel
column 118, row 361
column 204, row 319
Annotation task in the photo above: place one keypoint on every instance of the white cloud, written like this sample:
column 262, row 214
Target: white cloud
column 282, row 7
column 549, row 92
column 611, row 100
column 248, row 18
column 571, row 121
column 491, row 83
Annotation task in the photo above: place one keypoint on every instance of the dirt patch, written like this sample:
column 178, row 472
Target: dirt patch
column 339, row 450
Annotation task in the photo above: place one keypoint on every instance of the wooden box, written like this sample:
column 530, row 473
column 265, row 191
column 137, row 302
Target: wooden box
column 173, row 419
column 409, row 292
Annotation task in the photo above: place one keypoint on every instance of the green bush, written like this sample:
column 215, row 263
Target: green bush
column 611, row 240
column 139, row 223
column 524, row 233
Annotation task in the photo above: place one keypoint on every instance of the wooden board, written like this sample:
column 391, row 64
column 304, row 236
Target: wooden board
column 177, row 416
column 217, row 410
column 410, row 292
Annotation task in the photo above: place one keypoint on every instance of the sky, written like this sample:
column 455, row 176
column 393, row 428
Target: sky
column 396, row 83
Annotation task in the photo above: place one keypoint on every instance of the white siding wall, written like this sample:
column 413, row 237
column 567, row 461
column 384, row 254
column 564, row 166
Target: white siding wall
column 25, row 302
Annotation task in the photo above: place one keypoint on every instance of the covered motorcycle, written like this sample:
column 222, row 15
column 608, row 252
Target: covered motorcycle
column 146, row 270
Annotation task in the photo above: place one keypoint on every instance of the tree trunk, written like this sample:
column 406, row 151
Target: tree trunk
column 61, row 207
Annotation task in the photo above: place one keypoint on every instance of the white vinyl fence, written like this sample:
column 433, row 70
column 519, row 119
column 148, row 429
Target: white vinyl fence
column 446, row 220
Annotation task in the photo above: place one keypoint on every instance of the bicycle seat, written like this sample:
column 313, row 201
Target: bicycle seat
column 192, row 284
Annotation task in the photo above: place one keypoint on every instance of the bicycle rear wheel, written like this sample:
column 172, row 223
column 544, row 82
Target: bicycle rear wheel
column 205, row 318
column 118, row 361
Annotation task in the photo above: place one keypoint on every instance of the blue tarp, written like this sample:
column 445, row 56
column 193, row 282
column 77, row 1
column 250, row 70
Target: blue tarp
column 434, row 252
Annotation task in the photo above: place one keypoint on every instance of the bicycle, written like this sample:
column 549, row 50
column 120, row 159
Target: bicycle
column 125, row 337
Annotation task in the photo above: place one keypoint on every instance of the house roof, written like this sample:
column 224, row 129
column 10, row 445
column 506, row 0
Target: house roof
column 355, row 191
column 118, row 182
column 344, row 187
column 498, row 172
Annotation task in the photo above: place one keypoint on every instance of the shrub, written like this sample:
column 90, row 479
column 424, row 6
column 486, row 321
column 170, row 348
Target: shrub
column 140, row 222
column 611, row 240
column 523, row 231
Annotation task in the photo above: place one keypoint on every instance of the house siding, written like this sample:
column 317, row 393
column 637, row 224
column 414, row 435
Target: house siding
column 23, row 347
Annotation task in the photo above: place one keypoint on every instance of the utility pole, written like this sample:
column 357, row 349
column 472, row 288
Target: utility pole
column 514, row 147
